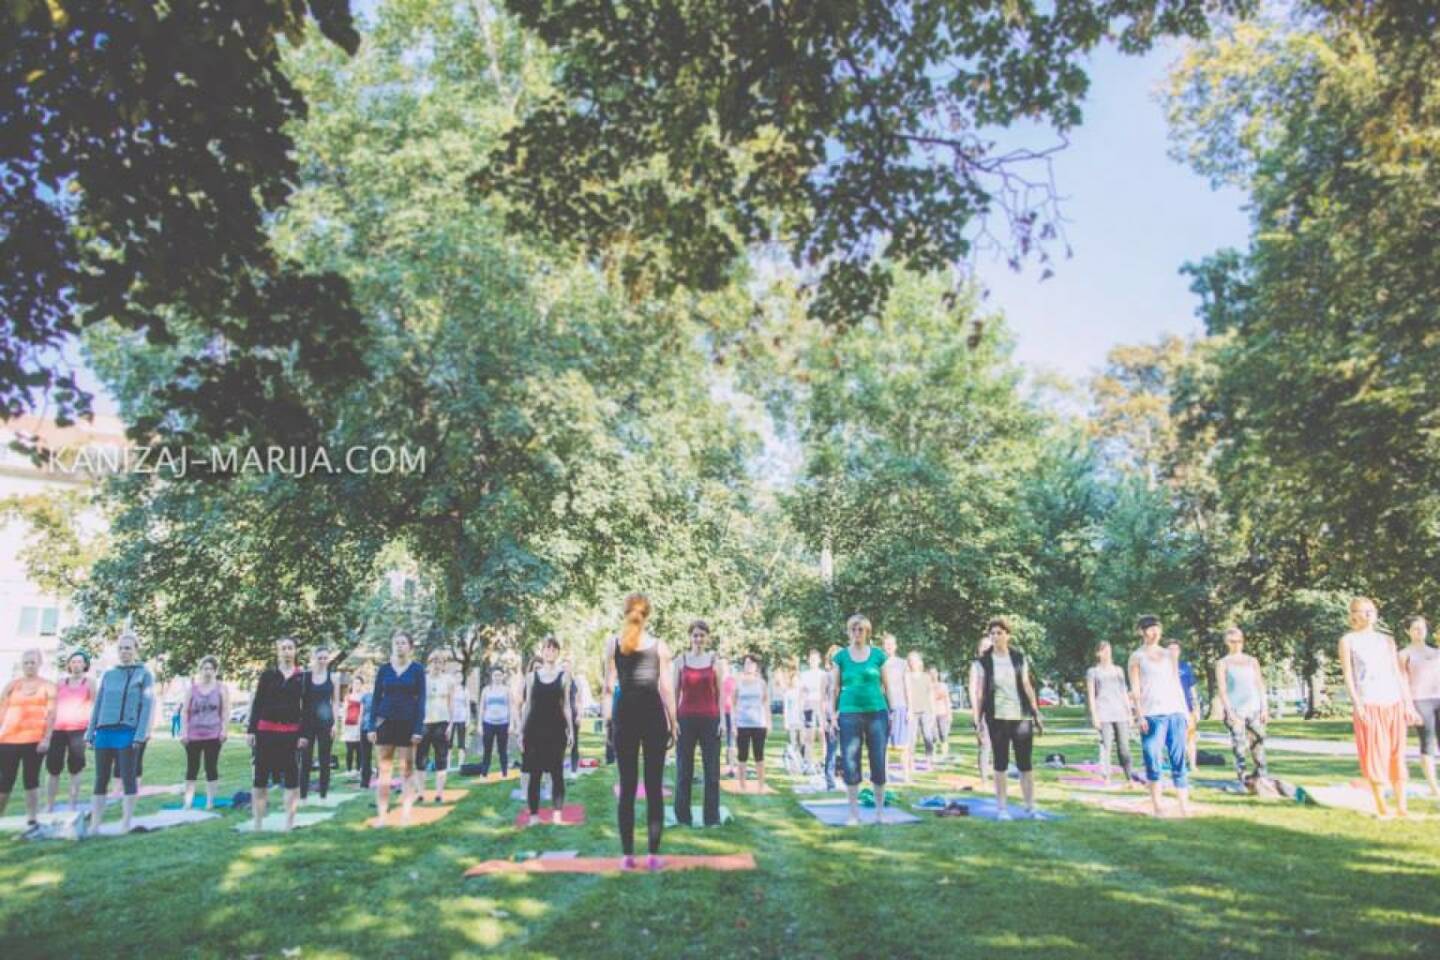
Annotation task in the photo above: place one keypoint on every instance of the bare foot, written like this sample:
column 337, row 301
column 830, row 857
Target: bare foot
column 558, row 819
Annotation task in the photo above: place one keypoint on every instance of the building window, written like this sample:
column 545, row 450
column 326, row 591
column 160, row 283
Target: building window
column 39, row 621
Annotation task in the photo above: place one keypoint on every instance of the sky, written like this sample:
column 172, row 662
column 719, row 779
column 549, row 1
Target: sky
column 1134, row 216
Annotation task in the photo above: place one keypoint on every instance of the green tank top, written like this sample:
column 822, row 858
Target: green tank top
column 860, row 689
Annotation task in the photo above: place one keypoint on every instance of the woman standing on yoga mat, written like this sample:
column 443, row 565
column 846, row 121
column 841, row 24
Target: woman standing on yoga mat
column 1109, row 700
column 321, row 708
column 546, row 722
column 202, row 730
column 644, row 717
column 440, row 687
column 1379, row 702
column 277, row 732
column 752, row 720
column 399, row 717
column 862, row 713
column 1164, row 716
column 352, row 721
column 27, row 719
column 119, row 720
column 496, row 713
column 698, row 675
column 74, row 696
column 1008, row 709
column 1421, row 664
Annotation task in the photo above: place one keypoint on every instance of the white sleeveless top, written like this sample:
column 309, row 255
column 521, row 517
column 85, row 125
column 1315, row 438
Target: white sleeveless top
column 1160, row 690
column 1424, row 666
column 1372, row 661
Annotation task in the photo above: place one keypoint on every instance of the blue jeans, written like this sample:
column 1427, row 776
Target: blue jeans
column 1164, row 737
column 874, row 729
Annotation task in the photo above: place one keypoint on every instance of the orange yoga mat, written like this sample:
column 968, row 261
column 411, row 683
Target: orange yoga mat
column 1169, row 810
column 419, row 816
column 728, row 861
column 572, row 815
column 752, row 789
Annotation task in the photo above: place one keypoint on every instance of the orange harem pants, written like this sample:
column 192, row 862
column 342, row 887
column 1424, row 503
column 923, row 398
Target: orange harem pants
column 1380, row 741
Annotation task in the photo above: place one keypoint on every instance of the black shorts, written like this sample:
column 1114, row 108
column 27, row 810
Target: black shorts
column 277, row 759
column 812, row 719
column 65, row 745
column 752, row 736
column 392, row 734
column 14, row 756
column 457, row 735
column 436, row 737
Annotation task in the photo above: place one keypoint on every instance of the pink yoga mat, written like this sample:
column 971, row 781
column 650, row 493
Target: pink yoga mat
column 728, row 861
column 572, row 815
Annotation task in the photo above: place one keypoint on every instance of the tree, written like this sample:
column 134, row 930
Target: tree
column 915, row 447
column 144, row 149
column 851, row 135
column 1325, row 393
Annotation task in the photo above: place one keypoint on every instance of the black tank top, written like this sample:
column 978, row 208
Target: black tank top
column 547, row 708
column 639, row 672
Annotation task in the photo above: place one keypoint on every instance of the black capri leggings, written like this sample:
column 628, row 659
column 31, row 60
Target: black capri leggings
column 66, row 745
column 121, row 762
column 209, row 751
column 751, row 737
column 12, row 757
column 1004, row 733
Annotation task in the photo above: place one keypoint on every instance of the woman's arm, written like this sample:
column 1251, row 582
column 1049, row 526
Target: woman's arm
column 185, row 713
column 94, row 712
column 1347, row 671
column 50, row 716
column 525, row 702
column 224, row 712
column 1137, row 691
column 1412, row 716
column 1221, row 669
column 147, row 705
column 667, row 690
column 1090, row 697
column 834, row 694
column 565, row 704
column 1030, row 690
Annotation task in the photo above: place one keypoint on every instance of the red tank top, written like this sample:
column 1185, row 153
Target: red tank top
column 699, row 693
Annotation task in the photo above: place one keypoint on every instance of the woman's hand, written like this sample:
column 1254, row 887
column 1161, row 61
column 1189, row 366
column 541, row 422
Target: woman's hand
column 1144, row 726
column 370, row 736
column 250, row 739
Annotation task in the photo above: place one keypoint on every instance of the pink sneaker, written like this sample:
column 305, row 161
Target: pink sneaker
column 653, row 863
column 627, row 862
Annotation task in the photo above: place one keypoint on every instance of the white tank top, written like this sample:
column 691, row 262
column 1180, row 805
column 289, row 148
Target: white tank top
column 1424, row 668
column 1372, row 661
column 495, row 705
column 1160, row 690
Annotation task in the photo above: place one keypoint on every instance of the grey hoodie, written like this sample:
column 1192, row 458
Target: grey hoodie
column 125, row 699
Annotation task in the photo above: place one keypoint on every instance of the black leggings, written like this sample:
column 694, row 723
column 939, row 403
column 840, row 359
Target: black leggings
column 352, row 754
column 643, row 724
column 139, row 751
column 122, row 762
column 495, row 735
column 326, row 743
column 555, row 766
column 366, row 768
column 207, row 750
column 1003, row 733
column 12, row 757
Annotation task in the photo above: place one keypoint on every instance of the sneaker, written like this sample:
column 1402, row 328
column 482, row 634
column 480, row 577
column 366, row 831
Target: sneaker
column 1004, row 815
column 653, row 863
column 627, row 863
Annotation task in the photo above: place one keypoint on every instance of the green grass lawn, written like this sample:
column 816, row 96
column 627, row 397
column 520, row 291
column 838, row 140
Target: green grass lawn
column 1269, row 879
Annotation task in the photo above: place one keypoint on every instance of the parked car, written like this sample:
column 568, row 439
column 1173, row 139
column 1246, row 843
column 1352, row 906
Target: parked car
column 1048, row 697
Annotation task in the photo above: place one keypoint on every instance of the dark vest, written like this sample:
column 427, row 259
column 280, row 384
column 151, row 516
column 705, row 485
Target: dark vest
column 987, row 671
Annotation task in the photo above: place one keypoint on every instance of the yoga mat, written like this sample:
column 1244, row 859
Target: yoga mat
column 959, row 781
column 834, row 813
column 333, row 800
column 589, row 763
column 726, row 862
column 1233, row 787
column 1414, row 790
column 493, row 777
column 150, row 791
column 807, row 789
column 984, row 808
column 751, row 790
column 197, row 802
column 275, row 822
column 571, row 815
column 419, row 817
column 159, row 821
column 1092, row 783
column 449, row 796
column 16, row 823
column 1169, row 810
column 697, row 816
column 640, row 791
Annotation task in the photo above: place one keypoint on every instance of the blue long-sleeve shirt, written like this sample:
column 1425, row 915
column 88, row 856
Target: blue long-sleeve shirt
column 400, row 699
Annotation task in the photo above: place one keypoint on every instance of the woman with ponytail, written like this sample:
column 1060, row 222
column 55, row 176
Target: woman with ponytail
column 644, row 716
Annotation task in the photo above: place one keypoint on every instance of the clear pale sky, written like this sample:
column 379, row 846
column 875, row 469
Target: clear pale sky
column 1134, row 216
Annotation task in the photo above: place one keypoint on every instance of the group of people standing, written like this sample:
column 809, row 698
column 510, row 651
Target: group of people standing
column 859, row 701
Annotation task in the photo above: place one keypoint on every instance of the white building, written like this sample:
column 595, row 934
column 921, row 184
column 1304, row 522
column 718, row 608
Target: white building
column 29, row 616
